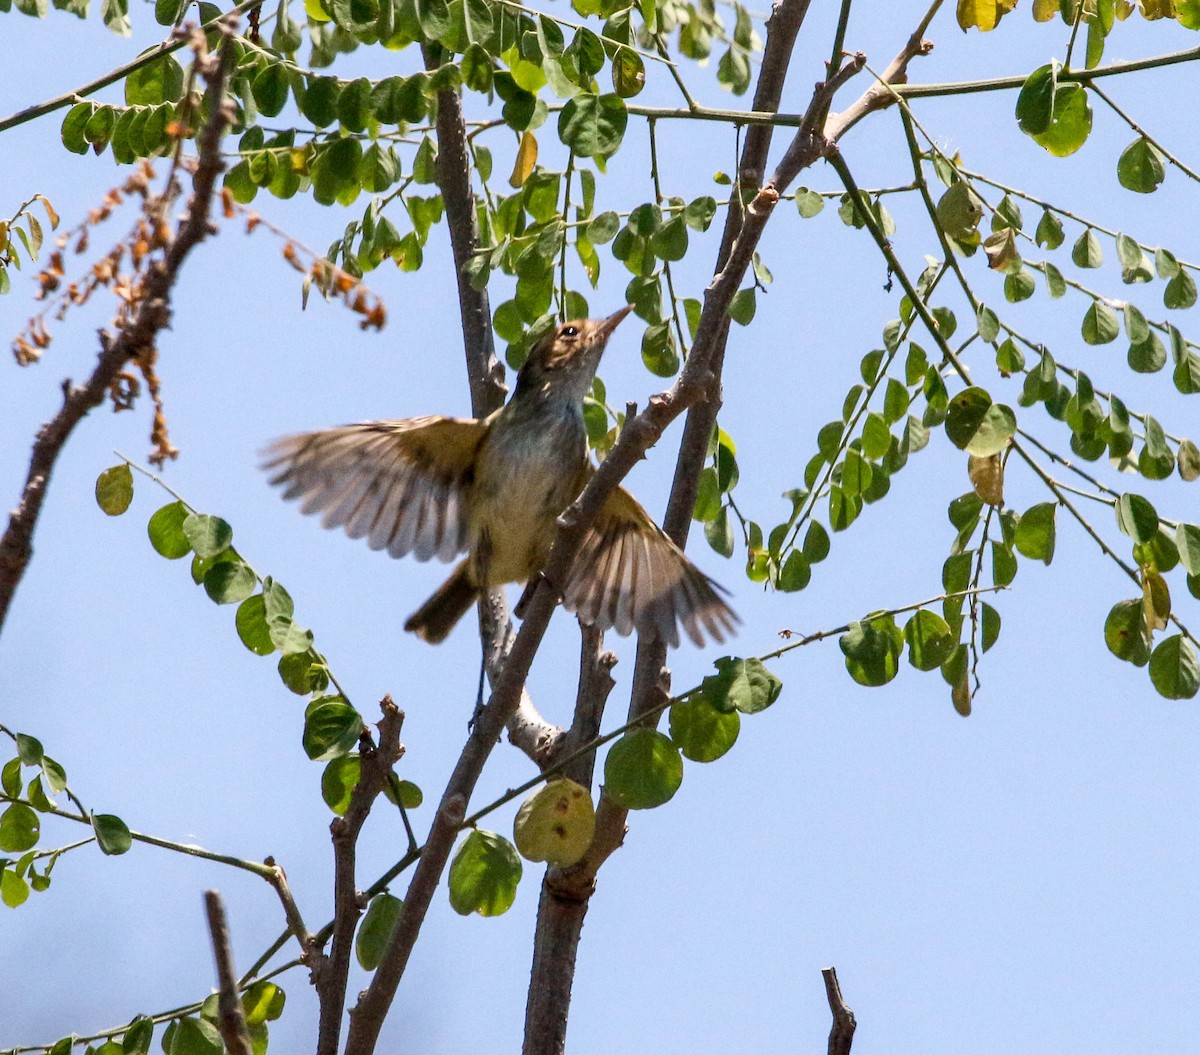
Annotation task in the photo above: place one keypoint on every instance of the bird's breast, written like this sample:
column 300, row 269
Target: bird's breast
column 527, row 472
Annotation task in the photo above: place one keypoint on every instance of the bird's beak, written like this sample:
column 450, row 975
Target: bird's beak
column 612, row 322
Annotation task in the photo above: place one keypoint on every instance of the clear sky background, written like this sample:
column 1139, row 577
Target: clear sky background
column 1024, row 879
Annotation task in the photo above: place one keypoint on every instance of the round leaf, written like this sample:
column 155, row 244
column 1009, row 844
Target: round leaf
column 166, row 531
column 701, row 731
column 593, row 125
column 331, row 728
column 114, row 490
column 376, row 930
column 555, row 824
column 930, row 640
column 642, row 770
column 112, row 834
column 977, row 425
column 484, row 875
column 1174, row 669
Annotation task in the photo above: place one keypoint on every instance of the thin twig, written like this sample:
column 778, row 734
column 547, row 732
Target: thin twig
column 999, row 84
column 231, row 1020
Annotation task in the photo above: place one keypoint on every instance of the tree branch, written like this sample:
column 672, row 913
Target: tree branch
column 231, row 1021
column 153, row 314
column 375, row 769
column 563, row 904
column 841, row 1034
column 881, row 94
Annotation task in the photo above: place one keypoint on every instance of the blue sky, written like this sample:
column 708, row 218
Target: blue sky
column 1021, row 879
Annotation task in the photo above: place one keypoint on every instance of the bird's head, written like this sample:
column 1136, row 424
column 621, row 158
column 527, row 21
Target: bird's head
column 564, row 360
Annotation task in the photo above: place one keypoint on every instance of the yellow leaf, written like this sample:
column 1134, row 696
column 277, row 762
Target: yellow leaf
column 1154, row 9
column 1156, row 600
column 1044, row 10
column 987, row 477
column 983, row 14
column 51, row 215
column 527, row 154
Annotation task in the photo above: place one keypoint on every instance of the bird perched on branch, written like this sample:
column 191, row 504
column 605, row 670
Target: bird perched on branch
column 438, row 486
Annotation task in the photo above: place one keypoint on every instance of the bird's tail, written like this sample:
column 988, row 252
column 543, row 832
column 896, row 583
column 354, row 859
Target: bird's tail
column 434, row 620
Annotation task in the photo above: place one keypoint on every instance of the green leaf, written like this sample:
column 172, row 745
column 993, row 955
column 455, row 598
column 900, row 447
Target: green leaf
column 192, row 1036
column 138, row 1036
column 1070, row 124
column 1140, row 167
column 114, row 490
column 207, row 535
column 1180, row 291
column 1035, row 101
column 166, row 531
column 263, row 1002
column 795, row 574
column 252, row 626
column 320, row 102
column 354, row 105
column 872, row 649
column 1086, row 252
column 741, row 684
column 1049, row 234
column 270, row 89
column 378, row 169
column 1174, row 670
column 1147, row 356
column 484, row 874
column 304, row 672
column 19, row 828
column 628, row 73
column 1035, row 533
column 112, row 834
column 930, row 640
column 1137, row 518
column 331, row 728
column 159, row 81
column 338, row 780
column 29, row 749
column 13, row 889
column 73, row 137
column 809, row 203
column 230, row 582
column 702, row 732
column 743, row 306
column 375, row 931
column 54, row 773
column 1100, row 324
column 642, row 770
column 1187, row 541
column 719, row 533
column 593, row 125
column 977, row 425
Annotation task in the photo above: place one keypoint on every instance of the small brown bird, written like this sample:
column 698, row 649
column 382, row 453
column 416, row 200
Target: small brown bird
column 436, row 486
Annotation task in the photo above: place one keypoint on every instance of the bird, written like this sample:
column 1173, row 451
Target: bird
column 493, row 488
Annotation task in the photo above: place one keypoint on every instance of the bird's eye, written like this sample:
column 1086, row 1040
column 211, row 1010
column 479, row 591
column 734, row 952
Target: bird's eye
column 569, row 331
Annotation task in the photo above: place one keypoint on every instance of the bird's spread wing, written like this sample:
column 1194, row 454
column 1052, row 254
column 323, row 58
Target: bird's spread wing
column 629, row 575
column 403, row 485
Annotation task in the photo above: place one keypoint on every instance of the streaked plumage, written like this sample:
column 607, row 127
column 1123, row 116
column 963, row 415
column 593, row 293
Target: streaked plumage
column 440, row 486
